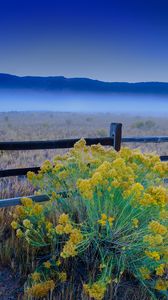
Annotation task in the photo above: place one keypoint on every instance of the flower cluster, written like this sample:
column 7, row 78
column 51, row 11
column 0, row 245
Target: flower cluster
column 153, row 255
column 156, row 227
column 107, row 205
column 96, row 290
column 106, row 220
column 161, row 285
column 153, row 240
column 75, row 236
column 135, row 222
column 41, row 289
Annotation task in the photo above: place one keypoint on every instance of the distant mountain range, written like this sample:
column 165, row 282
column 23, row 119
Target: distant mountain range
column 60, row 83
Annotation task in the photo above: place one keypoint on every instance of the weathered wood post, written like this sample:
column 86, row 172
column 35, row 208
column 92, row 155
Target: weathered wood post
column 116, row 132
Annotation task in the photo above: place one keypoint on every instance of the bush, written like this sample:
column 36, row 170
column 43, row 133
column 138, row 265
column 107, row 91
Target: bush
column 107, row 218
column 149, row 124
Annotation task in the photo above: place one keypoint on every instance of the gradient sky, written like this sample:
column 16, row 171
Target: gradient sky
column 117, row 40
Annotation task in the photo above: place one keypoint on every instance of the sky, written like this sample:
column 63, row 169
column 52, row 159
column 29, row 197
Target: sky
column 117, row 40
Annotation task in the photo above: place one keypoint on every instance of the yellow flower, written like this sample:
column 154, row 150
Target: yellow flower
column 147, row 200
column 145, row 272
column 159, row 193
column 135, row 190
column 161, row 168
column 119, row 163
column 161, row 285
column 63, row 219
column 46, row 166
column 69, row 250
column 153, row 240
column 47, row 264
column 20, row 211
column 96, row 179
column 102, row 222
column 37, row 209
column 57, row 167
column 54, row 195
column 164, row 214
column 59, row 229
column 153, row 255
column 158, row 239
column 19, row 233
column 27, row 202
column 103, row 217
column 48, row 226
column 27, row 223
column 115, row 183
column 35, row 276
column 76, row 236
column 135, row 223
column 125, row 153
column 80, row 144
column 63, row 175
column 30, row 175
column 110, row 220
column 96, row 291
column 68, row 228
column 156, row 227
column 14, row 225
column 85, row 188
column 41, row 289
column 104, row 168
column 39, row 176
column 160, row 270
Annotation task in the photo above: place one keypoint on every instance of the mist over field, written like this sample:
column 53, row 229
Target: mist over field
column 27, row 100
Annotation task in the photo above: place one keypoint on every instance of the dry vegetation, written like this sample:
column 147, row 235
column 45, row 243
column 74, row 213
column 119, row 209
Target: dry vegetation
column 49, row 125
column 46, row 126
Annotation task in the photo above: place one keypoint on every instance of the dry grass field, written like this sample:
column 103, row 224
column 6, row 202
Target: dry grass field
column 22, row 126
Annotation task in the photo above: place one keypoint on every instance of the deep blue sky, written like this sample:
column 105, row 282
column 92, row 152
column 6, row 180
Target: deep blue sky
column 121, row 40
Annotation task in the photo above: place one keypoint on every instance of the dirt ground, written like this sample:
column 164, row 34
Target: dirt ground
column 10, row 285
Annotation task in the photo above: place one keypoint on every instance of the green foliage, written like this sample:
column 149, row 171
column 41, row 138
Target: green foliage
column 107, row 214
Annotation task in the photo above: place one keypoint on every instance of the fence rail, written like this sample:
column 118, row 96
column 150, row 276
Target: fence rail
column 115, row 139
column 56, row 144
column 145, row 139
column 16, row 201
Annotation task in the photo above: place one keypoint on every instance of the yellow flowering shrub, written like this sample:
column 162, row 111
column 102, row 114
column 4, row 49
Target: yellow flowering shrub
column 96, row 290
column 108, row 210
column 41, row 289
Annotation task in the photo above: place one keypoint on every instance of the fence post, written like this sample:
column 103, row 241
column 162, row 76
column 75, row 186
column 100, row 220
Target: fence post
column 116, row 132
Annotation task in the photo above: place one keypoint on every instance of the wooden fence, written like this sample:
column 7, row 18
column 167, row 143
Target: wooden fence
column 114, row 139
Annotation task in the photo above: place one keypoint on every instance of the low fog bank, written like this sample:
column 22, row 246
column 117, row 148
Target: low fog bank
column 14, row 100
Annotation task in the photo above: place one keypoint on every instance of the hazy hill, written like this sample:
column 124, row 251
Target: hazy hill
column 60, row 83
